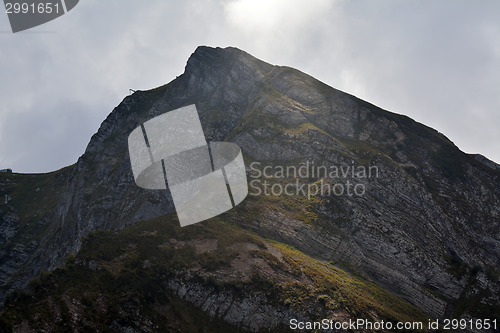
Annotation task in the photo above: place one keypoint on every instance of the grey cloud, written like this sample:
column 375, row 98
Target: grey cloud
column 437, row 62
column 45, row 137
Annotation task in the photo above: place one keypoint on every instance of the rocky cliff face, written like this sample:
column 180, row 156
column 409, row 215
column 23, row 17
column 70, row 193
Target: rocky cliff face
column 427, row 225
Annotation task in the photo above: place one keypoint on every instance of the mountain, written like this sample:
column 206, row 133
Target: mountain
column 418, row 238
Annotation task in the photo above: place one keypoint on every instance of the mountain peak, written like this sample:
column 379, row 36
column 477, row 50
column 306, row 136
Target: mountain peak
column 208, row 54
column 216, row 57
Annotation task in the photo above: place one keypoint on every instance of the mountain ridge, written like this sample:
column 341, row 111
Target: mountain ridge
column 430, row 195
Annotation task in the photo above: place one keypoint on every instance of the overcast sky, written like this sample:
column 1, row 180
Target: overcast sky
column 435, row 61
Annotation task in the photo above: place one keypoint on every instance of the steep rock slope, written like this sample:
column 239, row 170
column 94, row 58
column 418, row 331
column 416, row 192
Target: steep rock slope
column 427, row 226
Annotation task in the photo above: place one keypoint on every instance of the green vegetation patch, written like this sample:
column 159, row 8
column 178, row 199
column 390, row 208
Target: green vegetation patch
column 338, row 289
column 119, row 280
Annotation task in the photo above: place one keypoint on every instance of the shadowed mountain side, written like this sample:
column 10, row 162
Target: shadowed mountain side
column 426, row 228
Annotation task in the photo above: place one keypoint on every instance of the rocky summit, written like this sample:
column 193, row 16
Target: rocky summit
column 353, row 212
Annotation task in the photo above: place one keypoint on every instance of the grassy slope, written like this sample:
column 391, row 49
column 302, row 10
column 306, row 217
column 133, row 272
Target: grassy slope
column 118, row 280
